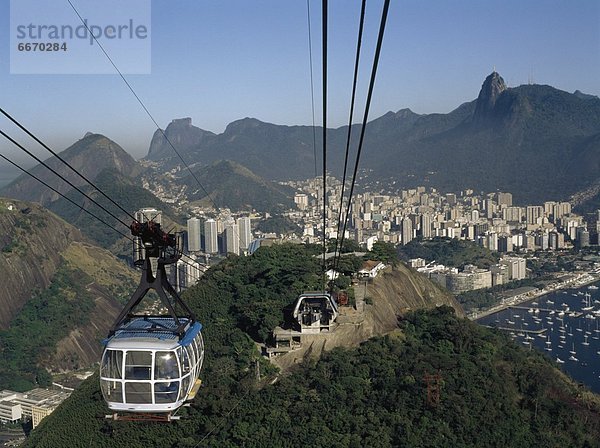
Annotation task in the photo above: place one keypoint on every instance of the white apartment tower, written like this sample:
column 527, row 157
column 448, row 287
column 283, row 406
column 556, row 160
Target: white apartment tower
column 245, row 232
column 407, row 230
column 211, row 245
column 193, row 228
column 232, row 237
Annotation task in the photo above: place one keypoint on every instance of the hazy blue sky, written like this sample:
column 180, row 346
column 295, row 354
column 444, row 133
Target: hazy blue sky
column 218, row 61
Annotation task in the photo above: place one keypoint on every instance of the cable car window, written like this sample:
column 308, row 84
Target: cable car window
column 138, row 393
column 185, row 361
column 165, row 366
column 192, row 354
column 112, row 364
column 138, row 365
column 166, row 392
column 112, row 390
column 185, row 386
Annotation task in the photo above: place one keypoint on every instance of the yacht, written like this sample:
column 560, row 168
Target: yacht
column 560, row 361
column 588, row 303
column 572, row 351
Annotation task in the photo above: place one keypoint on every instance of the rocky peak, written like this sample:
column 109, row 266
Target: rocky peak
column 181, row 133
column 242, row 125
column 180, row 123
column 492, row 88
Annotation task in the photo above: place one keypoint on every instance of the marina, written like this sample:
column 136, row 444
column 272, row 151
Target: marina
column 562, row 324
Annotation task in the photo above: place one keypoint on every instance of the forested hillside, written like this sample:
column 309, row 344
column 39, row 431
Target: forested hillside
column 492, row 392
column 58, row 297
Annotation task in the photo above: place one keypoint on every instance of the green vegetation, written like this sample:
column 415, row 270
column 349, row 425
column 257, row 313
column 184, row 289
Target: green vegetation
column 544, row 264
column 384, row 252
column 278, row 224
column 234, row 186
column 449, row 252
column 348, row 246
column 43, row 321
column 252, row 292
column 492, row 393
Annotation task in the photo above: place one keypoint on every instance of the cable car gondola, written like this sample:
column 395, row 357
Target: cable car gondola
column 151, row 363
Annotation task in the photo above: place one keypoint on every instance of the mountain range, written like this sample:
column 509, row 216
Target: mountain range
column 225, row 183
column 536, row 141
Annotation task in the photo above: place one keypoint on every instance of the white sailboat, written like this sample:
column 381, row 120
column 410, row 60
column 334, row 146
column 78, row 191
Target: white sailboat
column 588, row 302
column 572, row 351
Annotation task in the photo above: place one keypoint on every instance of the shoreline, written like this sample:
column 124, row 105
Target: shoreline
column 581, row 279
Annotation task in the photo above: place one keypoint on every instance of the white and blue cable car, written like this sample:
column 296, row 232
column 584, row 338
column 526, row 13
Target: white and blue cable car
column 151, row 363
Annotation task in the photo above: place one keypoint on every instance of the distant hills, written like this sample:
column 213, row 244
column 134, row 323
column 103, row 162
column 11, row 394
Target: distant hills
column 536, row 141
column 113, row 170
column 90, row 156
column 234, row 186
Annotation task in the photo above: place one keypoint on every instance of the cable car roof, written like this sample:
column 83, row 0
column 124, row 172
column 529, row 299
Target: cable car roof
column 152, row 333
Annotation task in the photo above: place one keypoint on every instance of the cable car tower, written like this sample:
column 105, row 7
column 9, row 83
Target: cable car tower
column 151, row 363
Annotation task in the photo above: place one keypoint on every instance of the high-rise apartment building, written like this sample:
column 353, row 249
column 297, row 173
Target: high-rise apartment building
column 232, row 237
column 533, row 213
column 504, row 199
column 211, row 244
column 407, row 230
column 245, row 232
column 425, row 225
column 193, row 228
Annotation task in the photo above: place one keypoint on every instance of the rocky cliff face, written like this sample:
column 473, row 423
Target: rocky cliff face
column 401, row 290
column 492, row 88
column 34, row 243
column 31, row 240
column 112, row 285
column 391, row 294
column 181, row 133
